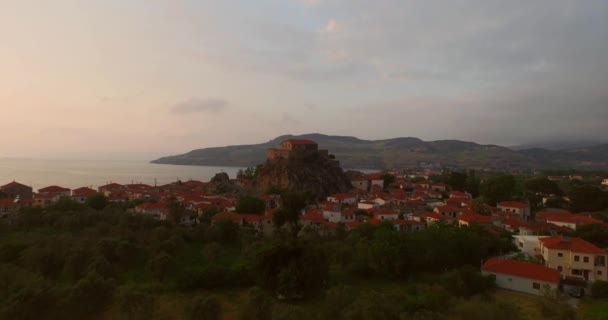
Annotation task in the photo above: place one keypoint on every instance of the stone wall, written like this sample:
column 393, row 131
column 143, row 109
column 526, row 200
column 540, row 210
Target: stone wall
column 275, row 154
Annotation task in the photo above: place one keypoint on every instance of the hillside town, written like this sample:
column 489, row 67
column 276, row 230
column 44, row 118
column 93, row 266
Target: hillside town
column 408, row 200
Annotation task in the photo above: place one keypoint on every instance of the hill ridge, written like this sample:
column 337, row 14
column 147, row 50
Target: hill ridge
column 403, row 151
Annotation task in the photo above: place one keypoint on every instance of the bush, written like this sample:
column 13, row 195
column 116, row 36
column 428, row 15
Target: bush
column 208, row 308
column 159, row 265
column 466, row 282
column 211, row 277
column 136, row 305
column 371, row 306
column 599, row 290
column 477, row 309
column 97, row 201
column 336, row 301
column 257, row 307
column 92, row 295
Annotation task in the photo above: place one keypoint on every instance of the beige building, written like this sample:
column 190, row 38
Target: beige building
column 575, row 257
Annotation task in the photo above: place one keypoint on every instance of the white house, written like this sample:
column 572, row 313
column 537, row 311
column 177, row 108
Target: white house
column 529, row 245
column 367, row 205
column 522, row 276
column 343, row 198
column 360, row 183
column 386, row 214
column 334, row 216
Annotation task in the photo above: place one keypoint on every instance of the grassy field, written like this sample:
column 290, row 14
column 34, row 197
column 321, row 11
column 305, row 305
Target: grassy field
column 528, row 304
column 593, row 310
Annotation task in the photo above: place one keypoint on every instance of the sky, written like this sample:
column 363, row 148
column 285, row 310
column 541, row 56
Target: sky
column 151, row 77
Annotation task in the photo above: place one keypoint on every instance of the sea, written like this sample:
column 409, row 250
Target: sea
column 40, row 173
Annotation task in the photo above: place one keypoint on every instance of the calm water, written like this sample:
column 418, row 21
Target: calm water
column 79, row 173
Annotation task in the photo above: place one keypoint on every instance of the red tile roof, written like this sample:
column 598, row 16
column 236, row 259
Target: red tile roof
column 152, row 206
column 7, row 202
column 513, row 204
column 571, row 244
column 402, row 222
column 448, row 209
column 12, row 184
column 343, row 196
column 572, row 218
column 83, row 192
column 314, row 216
column 53, row 189
column 475, row 218
column 522, row 269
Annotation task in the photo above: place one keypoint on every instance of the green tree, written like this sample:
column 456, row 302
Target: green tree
column 208, row 308
column 466, row 282
column 596, row 233
column 289, row 214
column 557, row 202
column 498, row 188
column 75, row 264
column 249, row 173
column 588, row 198
column 472, row 184
column 97, row 201
column 226, row 231
column 251, row 205
column 599, row 290
column 92, row 294
column 388, row 179
column 457, row 180
column 65, row 204
column 159, row 265
column 208, row 213
column 543, row 186
column 176, row 210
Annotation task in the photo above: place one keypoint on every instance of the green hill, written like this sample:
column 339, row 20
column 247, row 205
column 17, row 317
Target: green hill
column 378, row 154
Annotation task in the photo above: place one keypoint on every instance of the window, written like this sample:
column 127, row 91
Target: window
column 576, row 258
column 599, row 272
column 576, row 272
column 536, row 285
column 559, row 254
column 585, row 259
column 559, row 268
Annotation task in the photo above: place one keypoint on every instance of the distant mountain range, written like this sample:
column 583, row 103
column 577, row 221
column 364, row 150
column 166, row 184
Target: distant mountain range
column 556, row 145
column 401, row 152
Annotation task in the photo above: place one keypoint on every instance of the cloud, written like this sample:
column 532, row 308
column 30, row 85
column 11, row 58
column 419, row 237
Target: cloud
column 331, row 25
column 196, row 105
column 310, row 3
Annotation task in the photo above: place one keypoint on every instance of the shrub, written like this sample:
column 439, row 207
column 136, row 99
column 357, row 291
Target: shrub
column 136, row 305
column 208, row 308
column 257, row 307
column 599, row 290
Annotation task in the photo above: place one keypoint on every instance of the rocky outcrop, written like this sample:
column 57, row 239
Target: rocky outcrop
column 317, row 174
column 221, row 184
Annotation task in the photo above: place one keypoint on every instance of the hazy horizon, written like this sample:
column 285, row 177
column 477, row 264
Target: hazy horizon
column 143, row 79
